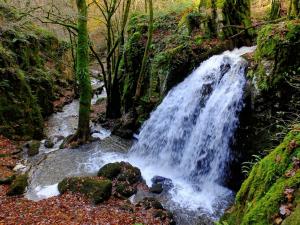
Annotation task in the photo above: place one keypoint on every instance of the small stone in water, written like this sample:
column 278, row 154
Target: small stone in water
column 165, row 182
column 49, row 144
column 156, row 188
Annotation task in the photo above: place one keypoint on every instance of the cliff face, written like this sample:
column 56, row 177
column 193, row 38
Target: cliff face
column 270, row 194
column 34, row 68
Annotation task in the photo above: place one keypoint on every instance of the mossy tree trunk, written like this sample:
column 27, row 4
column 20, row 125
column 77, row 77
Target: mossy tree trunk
column 146, row 54
column 82, row 73
column 275, row 9
column 115, row 104
column 236, row 17
column 214, row 18
column 294, row 9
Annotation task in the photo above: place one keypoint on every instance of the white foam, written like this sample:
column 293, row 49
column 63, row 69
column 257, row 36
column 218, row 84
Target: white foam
column 47, row 191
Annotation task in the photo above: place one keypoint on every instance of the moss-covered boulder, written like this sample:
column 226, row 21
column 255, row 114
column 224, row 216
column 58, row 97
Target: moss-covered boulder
column 270, row 195
column 18, row 186
column 277, row 54
column 121, row 171
column 33, row 148
column 110, row 170
column 125, row 177
column 96, row 189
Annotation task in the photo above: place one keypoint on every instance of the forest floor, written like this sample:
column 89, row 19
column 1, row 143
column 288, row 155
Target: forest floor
column 68, row 208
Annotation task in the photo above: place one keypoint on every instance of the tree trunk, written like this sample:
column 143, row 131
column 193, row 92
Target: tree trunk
column 145, row 58
column 214, row 18
column 82, row 73
column 295, row 8
column 113, row 108
column 236, row 13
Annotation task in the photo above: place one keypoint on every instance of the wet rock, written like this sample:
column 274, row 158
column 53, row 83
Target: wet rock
column 95, row 189
column 158, row 210
column 224, row 69
column 33, row 148
column 148, row 203
column 125, row 177
column 48, row 143
column 166, row 183
column 98, row 91
column 121, row 171
column 123, row 133
column 125, row 190
column 156, row 188
column 20, row 168
column 127, row 126
column 18, row 186
column 110, row 170
column 58, row 138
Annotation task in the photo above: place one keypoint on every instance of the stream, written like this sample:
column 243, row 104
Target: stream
column 186, row 140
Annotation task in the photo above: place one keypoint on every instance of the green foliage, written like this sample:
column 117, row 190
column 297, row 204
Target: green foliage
column 277, row 50
column 247, row 166
column 262, row 193
column 32, row 74
column 275, row 10
column 18, row 106
column 172, row 57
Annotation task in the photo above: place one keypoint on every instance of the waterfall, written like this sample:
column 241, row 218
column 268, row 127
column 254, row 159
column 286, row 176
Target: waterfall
column 188, row 136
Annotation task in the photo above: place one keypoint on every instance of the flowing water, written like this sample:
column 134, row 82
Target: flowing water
column 187, row 139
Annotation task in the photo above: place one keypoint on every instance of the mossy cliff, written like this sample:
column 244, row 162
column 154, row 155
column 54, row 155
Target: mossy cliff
column 271, row 193
column 33, row 70
column 272, row 94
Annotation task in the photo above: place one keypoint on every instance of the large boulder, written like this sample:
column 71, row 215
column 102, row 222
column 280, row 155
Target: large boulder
column 96, row 189
column 125, row 177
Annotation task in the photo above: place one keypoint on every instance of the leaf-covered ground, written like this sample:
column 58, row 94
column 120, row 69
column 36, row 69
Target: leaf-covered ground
column 71, row 209
column 68, row 208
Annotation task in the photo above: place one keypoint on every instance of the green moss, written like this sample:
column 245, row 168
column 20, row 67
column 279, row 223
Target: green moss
column 33, row 148
column 192, row 21
column 32, row 74
column 125, row 190
column 18, row 186
column 7, row 57
column 278, row 47
column 294, row 218
column 262, row 193
column 95, row 189
column 110, row 170
column 19, row 112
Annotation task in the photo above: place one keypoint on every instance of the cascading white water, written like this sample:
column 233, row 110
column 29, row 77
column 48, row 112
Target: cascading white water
column 187, row 137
